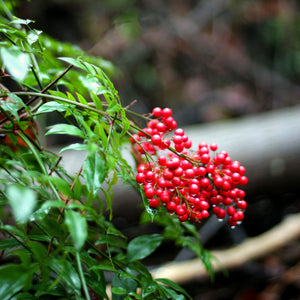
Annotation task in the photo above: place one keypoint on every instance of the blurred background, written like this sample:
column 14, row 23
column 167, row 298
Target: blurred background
column 230, row 68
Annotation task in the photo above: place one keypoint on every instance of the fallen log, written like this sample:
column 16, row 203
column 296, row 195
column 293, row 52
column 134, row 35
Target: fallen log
column 253, row 248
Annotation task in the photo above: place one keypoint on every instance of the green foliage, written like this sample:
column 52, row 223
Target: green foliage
column 59, row 244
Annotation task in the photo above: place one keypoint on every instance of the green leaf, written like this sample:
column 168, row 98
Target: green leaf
column 65, row 129
column 8, row 243
column 170, row 293
column 68, row 274
column 61, row 185
column 76, row 147
column 119, row 291
column 50, row 107
column 20, row 21
column 22, row 201
column 81, row 99
column 78, row 228
column 94, row 171
column 13, row 279
column 33, row 36
column 174, row 286
column 142, row 246
column 16, row 62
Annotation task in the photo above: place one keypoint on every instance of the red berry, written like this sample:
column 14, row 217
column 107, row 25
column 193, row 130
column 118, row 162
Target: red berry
column 205, row 158
column 162, row 160
column 153, row 203
column 179, row 147
column 140, row 177
column 179, row 131
column 187, row 144
column 243, row 180
column 194, row 188
column 156, row 139
column 213, row 147
column 165, row 197
column 180, row 211
column 168, row 174
column 230, row 210
column 204, row 214
column 242, row 204
column 149, row 193
column 171, row 206
column 157, row 111
column 166, row 112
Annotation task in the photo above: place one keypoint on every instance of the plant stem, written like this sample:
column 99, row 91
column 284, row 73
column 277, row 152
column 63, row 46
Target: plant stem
column 85, row 288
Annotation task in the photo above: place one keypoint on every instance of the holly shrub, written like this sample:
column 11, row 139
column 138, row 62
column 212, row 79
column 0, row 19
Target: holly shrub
column 57, row 238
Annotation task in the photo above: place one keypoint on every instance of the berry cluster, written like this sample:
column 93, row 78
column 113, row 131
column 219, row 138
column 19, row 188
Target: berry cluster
column 188, row 183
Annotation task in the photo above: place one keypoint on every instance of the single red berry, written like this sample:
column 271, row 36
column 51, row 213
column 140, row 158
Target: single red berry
column 179, row 131
column 173, row 163
column 165, row 197
column 162, row 160
column 205, row 158
column 194, row 188
column 171, row 206
column 236, row 177
column 218, row 181
column 230, row 210
column 149, row 193
column 140, row 177
column 187, row 144
column 168, row 174
column 235, row 166
column 167, row 112
column 241, row 205
column 179, row 147
column 204, row 205
column 242, row 170
column 180, row 211
column 157, row 111
column 189, row 173
column 161, row 127
column 183, row 218
column 153, row 203
column 243, row 180
column 202, row 144
column 204, row 214
column 213, row 147
column 156, row 139
column 204, row 182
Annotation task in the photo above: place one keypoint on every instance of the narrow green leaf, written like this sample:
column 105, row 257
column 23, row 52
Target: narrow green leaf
column 61, row 185
column 76, row 147
column 142, row 246
column 99, row 130
column 22, row 201
column 174, row 286
column 13, row 279
column 78, row 228
column 50, row 107
column 73, row 61
column 94, row 172
column 65, row 129
column 81, row 99
column 16, row 62
column 97, row 101
column 119, row 291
